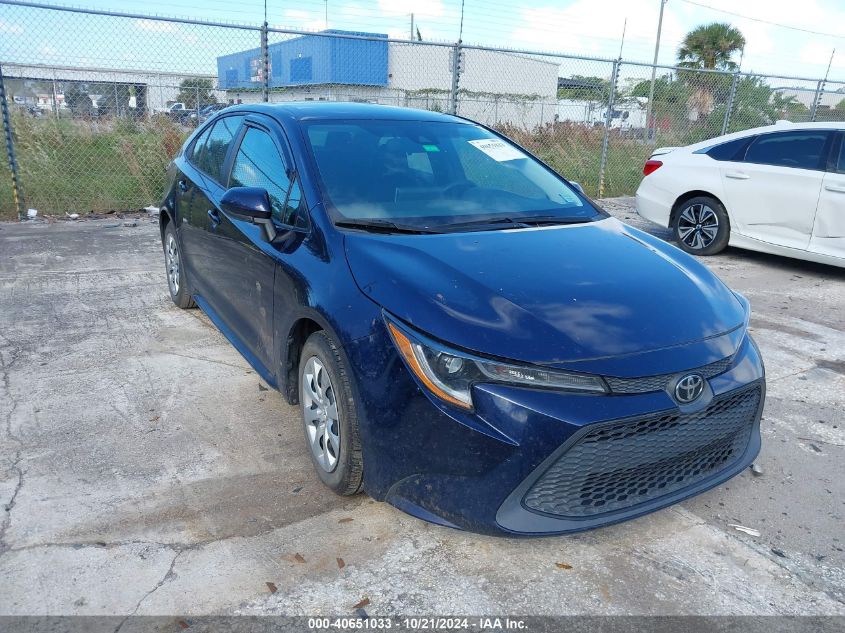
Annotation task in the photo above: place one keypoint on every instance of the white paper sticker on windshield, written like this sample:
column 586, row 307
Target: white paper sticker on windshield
column 496, row 149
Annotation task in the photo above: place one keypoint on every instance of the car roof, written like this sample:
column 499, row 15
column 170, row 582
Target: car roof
column 780, row 126
column 334, row 110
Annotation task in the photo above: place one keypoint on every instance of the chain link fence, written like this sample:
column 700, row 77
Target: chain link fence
column 98, row 102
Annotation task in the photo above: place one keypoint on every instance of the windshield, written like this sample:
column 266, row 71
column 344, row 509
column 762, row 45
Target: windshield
column 436, row 175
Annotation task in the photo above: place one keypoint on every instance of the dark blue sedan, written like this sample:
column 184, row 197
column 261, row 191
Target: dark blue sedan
column 467, row 336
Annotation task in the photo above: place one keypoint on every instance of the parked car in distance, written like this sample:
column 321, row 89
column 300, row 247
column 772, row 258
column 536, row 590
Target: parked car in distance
column 778, row 189
column 467, row 336
column 206, row 111
column 178, row 112
column 173, row 108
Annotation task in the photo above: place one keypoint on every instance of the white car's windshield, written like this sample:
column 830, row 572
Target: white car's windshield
column 438, row 175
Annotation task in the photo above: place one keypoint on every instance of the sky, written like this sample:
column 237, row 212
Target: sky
column 581, row 27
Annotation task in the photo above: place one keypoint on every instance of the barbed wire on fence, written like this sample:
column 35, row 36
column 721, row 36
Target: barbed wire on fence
column 99, row 101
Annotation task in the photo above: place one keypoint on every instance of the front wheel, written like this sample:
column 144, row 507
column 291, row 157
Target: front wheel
column 329, row 415
column 701, row 226
column 175, row 269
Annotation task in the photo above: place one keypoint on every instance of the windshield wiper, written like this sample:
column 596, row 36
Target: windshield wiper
column 552, row 219
column 384, row 226
column 519, row 222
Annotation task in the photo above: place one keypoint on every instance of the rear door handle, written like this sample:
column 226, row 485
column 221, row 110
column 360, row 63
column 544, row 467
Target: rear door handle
column 836, row 188
column 214, row 216
column 183, row 185
column 737, row 175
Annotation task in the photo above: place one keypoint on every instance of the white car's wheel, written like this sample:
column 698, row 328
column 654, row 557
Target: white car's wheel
column 702, row 226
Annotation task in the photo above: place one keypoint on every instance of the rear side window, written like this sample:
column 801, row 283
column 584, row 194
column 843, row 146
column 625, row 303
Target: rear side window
column 213, row 154
column 732, row 150
column 259, row 164
column 802, row 149
column 840, row 164
column 198, row 146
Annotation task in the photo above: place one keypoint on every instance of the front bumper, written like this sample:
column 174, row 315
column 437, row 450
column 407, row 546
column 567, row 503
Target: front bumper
column 535, row 462
column 613, row 471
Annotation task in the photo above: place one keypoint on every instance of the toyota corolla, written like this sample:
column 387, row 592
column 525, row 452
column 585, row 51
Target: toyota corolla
column 467, row 336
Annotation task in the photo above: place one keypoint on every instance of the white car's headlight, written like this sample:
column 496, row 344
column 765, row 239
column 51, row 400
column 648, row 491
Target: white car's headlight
column 450, row 375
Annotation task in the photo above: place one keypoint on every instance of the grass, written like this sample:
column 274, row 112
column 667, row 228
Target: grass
column 79, row 166
column 69, row 166
column 575, row 152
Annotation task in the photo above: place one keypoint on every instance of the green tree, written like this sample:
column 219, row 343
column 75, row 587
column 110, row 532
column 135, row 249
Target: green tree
column 583, row 87
column 840, row 106
column 78, row 99
column 711, row 46
column 670, row 99
column 788, row 107
column 196, row 88
column 708, row 47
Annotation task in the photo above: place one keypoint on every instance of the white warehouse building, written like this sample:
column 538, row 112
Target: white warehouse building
column 494, row 87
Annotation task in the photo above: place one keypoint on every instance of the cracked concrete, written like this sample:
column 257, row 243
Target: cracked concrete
column 144, row 472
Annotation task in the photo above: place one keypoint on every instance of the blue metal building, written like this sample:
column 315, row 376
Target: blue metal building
column 310, row 60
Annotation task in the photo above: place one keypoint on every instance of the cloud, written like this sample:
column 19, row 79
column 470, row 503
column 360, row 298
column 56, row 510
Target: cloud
column 171, row 28
column 305, row 20
column 10, row 27
column 421, row 8
column 591, row 27
column 818, row 53
column 774, row 49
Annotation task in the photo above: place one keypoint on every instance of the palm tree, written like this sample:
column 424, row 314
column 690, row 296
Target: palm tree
column 711, row 46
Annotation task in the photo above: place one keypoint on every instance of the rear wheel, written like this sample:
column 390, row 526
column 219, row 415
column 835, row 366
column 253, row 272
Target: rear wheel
column 175, row 270
column 701, row 226
column 329, row 415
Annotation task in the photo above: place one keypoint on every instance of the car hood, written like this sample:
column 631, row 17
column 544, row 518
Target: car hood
column 549, row 295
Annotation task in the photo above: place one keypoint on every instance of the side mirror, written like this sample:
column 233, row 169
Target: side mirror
column 577, row 185
column 251, row 204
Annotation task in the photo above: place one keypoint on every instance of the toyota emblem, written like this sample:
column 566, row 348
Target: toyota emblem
column 689, row 388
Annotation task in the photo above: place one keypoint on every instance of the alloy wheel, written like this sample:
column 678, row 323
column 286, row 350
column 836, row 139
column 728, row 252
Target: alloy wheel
column 698, row 226
column 172, row 256
column 319, row 409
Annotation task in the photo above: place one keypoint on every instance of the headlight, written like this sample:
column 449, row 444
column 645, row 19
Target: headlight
column 450, row 375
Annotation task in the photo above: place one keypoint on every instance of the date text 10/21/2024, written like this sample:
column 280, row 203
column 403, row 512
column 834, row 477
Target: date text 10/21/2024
column 421, row 623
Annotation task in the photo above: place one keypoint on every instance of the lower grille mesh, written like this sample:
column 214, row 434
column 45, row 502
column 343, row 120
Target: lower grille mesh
column 617, row 465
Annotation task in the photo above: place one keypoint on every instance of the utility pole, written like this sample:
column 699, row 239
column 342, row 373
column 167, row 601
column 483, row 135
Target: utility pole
column 412, row 26
column 327, row 14
column 654, row 70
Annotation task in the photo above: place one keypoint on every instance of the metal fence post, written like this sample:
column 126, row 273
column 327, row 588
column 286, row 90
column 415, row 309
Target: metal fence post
column 611, row 96
column 729, row 106
column 17, row 194
column 265, row 64
column 55, row 96
column 817, row 99
column 456, row 78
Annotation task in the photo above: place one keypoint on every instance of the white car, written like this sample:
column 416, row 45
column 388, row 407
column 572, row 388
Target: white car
column 778, row 189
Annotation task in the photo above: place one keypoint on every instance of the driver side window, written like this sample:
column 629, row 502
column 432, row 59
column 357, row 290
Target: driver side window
column 258, row 163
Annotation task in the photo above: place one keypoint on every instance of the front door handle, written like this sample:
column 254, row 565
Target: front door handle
column 183, row 185
column 214, row 216
column 836, row 188
column 737, row 175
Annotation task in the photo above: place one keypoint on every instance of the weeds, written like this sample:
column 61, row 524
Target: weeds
column 72, row 165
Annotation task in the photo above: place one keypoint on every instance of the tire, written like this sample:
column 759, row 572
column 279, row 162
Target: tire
column 329, row 415
column 701, row 226
column 175, row 270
